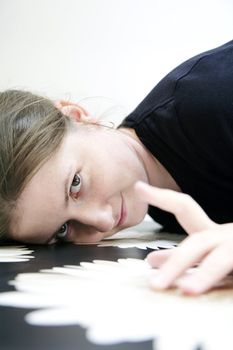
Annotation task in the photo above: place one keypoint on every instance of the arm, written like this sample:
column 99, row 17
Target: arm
column 209, row 244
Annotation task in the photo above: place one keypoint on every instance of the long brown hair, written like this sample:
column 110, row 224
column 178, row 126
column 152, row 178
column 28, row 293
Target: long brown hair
column 31, row 130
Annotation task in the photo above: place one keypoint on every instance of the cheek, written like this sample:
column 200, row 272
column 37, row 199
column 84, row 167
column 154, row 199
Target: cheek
column 136, row 209
column 137, row 213
column 122, row 172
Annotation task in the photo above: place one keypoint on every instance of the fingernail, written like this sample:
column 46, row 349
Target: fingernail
column 190, row 285
column 158, row 282
column 147, row 258
column 146, row 261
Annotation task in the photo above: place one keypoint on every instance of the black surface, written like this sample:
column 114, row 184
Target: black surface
column 15, row 333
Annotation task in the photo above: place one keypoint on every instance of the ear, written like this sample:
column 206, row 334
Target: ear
column 74, row 111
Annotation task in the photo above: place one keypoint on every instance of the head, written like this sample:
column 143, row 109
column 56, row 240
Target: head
column 63, row 176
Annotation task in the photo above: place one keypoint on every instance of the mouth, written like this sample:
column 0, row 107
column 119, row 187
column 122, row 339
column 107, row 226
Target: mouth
column 123, row 213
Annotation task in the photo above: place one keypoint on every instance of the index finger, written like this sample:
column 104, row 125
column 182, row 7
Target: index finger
column 186, row 210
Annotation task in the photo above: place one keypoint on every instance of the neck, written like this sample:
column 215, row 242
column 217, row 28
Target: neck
column 157, row 174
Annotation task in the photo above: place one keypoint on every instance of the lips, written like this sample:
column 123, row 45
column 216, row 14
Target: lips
column 123, row 213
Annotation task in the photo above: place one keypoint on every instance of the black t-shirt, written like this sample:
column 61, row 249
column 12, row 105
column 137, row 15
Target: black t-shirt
column 186, row 122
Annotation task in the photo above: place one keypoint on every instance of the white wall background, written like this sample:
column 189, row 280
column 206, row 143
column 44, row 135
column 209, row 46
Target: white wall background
column 113, row 48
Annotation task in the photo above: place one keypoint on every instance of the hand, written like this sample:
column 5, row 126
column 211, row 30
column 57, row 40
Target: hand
column 209, row 244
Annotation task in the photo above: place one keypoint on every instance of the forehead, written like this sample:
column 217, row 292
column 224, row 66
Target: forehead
column 40, row 203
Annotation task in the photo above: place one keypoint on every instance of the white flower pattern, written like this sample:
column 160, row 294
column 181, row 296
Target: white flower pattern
column 113, row 301
column 15, row 254
column 142, row 240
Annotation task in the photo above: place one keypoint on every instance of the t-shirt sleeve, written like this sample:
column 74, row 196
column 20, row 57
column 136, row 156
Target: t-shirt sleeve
column 186, row 122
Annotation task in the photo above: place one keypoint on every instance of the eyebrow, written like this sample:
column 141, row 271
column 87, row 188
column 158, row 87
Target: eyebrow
column 66, row 186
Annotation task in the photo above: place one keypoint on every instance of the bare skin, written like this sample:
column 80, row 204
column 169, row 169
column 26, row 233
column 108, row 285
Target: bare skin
column 209, row 244
column 101, row 205
column 101, row 166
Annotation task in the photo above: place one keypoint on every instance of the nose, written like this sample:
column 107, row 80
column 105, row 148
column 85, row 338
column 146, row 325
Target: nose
column 100, row 218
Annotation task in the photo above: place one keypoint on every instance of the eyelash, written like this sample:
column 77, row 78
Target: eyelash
column 77, row 178
column 61, row 234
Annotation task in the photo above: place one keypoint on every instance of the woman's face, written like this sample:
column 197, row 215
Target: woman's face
column 84, row 192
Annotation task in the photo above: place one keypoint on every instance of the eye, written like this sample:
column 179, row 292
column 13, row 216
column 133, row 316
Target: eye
column 62, row 232
column 76, row 184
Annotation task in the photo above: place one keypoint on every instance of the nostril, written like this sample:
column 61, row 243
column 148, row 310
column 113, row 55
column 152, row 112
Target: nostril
column 94, row 218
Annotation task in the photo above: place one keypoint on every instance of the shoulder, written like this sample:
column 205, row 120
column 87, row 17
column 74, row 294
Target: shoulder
column 203, row 98
column 203, row 80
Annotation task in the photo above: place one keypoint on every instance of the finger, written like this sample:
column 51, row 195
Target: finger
column 157, row 258
column 192, row 250
column 187, row 212
column 217, row 265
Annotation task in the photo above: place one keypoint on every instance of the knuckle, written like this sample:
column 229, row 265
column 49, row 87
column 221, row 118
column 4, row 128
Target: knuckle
column 196, row 238
column 228, row 249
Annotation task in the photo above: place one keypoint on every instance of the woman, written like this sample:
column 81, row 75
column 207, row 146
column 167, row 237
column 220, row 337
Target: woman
column 64, row 176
